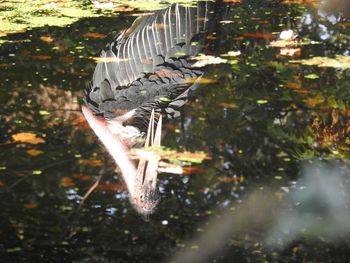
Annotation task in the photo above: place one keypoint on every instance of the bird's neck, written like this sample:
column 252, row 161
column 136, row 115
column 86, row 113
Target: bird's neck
column 115, row 146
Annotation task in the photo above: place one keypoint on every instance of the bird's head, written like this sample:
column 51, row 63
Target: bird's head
column 141, row 181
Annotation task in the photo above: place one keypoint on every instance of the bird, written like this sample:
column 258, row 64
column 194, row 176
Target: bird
column 145, row 75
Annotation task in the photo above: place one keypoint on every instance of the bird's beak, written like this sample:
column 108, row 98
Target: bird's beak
column 145, row 193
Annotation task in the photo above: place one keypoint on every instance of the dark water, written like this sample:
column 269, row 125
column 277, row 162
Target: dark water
column 262, row 120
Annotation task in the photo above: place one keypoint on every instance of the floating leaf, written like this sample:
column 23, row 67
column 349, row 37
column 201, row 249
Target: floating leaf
column 94, row 35
column 81, row 176
column 31, row 205
column 314, row 101
column 290, row 52
column 110, row 187
column 262, row 101
column 41, row 57
column 108, row 59
column 263, row 35
column 337, row 62
column 44, row 112
column 203, row 60
column 228, row 105
column 233, row 179
column 201, row 80
column 311, row 76
column 91, row 162
column 27, row 137
column 34, row 152
column 66, row 182
column 47, row 39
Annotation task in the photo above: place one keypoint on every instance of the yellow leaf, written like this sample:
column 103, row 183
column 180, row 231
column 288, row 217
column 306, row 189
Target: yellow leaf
column 27, row 137
column 47, row 39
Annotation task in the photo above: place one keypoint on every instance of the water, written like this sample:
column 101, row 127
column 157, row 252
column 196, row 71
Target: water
column 262, row 118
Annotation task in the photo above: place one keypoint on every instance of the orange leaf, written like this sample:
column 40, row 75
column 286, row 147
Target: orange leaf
column 192, row 170
column 93, row 163
column 81, row 176
column 66, row 182
column 34, row 152
column 31, row 205
column 233, row 179
column 258, row 35
column 41, row 57
column 110, row 187
column 27, row 137
column 94, row 35
column 66, row 59
column 81, row 122
column 228, row 105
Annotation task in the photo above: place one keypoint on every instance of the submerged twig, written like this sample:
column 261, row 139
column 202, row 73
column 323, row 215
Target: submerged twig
column 91, row 189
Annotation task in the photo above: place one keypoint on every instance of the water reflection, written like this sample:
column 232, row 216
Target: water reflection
column 147, row 68
column 265, row 111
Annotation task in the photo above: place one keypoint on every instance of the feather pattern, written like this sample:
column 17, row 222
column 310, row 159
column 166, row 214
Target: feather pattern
column 148, row 66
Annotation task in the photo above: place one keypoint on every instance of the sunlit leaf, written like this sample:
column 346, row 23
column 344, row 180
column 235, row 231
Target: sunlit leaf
column 201, row 80
column 27, row 137
column 262, row 101
column 290, row 52
column 203, row 60
column 311, row 76
column 108, row 59
column 44, row 112
column 98, row 4
column 337, row 62
column 94, row 35
column 47, row 39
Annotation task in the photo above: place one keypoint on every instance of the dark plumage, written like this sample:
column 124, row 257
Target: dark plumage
column 149, row 66
column 147, row 70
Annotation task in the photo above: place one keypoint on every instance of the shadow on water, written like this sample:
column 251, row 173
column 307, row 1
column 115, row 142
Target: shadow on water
column 261, row 116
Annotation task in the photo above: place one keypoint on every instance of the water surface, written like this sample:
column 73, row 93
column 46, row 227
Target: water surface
column 261, row 116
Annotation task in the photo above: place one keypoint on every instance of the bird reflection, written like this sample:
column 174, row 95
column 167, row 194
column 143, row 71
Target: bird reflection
column 143, row 76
